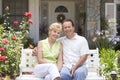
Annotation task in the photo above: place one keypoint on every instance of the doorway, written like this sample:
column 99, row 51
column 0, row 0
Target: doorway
column 59, row 10
column 55, row 11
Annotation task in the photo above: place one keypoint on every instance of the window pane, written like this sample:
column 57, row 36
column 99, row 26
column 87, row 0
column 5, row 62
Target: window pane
column 17, row 8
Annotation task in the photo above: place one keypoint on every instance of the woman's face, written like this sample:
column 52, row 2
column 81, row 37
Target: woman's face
column 54, row 34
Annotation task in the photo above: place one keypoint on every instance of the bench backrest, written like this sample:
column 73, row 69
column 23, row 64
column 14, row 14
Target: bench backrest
column 27, row 60
column 93, row 60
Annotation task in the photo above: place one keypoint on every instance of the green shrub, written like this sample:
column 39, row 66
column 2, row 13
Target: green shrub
column 108, row 61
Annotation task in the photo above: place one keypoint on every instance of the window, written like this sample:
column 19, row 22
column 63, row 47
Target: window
column 118, row 19
column 61, row 9
column 17, row 8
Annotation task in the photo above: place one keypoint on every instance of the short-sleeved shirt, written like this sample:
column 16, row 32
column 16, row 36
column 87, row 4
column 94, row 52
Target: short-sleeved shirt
column 50, row 54
column 73, row 49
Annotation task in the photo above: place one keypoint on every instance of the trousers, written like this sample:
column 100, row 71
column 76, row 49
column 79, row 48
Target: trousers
column 47, row 71
column 79, row 74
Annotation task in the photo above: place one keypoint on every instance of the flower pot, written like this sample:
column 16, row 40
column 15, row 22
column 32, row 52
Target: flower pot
column 0, row 78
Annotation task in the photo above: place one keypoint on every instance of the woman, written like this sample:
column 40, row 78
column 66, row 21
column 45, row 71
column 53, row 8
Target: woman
column 50, row 55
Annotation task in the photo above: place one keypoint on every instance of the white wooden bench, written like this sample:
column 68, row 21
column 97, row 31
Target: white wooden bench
column 94, row 65
column 28, row 62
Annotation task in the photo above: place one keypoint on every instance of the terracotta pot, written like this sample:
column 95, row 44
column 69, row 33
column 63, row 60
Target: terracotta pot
column 0, row 78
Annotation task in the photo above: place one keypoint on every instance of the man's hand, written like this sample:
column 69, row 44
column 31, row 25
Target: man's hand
column 73, row 70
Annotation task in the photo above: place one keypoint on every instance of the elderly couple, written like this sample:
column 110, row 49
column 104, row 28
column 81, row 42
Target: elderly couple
column 62, row 58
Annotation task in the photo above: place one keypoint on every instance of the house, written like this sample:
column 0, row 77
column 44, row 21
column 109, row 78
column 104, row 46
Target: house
column 86, row 14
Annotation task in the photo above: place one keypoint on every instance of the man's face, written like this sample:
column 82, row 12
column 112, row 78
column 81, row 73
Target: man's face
column 68, row 28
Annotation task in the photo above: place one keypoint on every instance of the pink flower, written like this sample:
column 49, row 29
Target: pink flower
column 2, row 50
column 28, row 14
column 3, row 58
column 5, row 42
column 30, row 21
column 16, row 23
column 14, row 39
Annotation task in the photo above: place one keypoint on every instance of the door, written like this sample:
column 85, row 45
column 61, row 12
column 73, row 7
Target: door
column 59, row 10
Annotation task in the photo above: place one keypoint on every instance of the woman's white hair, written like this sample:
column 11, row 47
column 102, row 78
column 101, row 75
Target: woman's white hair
column 55, row 26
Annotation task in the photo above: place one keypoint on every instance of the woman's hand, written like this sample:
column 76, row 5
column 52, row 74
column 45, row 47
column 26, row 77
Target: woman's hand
column 34, row 52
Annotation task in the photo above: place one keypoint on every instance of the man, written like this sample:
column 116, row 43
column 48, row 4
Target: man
column 75, row 52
